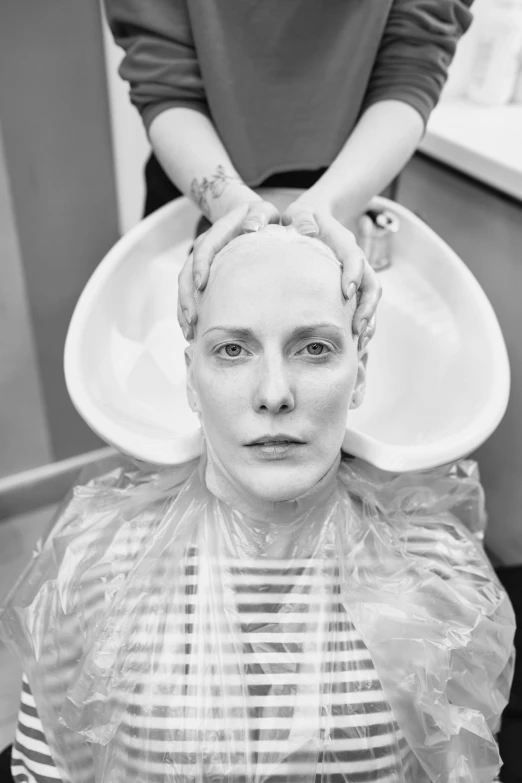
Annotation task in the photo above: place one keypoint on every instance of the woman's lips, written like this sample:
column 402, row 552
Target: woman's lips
column 276, row 449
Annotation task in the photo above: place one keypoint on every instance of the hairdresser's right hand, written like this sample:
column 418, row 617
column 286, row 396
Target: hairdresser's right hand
column 251, row 214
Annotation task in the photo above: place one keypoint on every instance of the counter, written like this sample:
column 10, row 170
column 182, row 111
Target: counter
column 483, row 142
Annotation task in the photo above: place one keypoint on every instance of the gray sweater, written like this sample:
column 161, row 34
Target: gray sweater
column 285, row 81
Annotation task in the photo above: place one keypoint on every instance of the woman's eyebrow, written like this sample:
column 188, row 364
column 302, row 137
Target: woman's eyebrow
column 238, row 331
column 310, row 330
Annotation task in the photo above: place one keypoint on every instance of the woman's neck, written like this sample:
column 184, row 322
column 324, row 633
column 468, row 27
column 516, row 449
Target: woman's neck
column 272, row 513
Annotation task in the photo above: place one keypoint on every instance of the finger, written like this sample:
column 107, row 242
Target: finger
column 186, row 327
column 370, row 294
column 187, row 313
column 247, row 217
column 187, row 330
column 358, row 275
column 367, row 334
column 302, row 218
column 260, row 214
column 208, row 245
column 352, row 273
column 344, row 245
column 372, row 325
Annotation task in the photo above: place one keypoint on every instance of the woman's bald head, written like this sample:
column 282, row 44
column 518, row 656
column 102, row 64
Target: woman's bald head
column 276, row 264
column 273, row 240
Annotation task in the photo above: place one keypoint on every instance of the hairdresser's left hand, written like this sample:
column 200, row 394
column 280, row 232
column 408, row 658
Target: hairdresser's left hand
column 358, row 278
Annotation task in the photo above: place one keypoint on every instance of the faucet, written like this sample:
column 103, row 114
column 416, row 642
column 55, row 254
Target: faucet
column 376, row 228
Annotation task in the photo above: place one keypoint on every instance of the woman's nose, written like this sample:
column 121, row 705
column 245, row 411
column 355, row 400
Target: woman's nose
column 274, row 392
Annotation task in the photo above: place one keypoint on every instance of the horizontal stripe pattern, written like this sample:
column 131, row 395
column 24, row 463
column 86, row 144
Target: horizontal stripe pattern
column 275, row 606
column 31, row 759
column 273, row 691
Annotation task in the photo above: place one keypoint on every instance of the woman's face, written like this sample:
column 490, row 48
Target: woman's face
column 274, row 367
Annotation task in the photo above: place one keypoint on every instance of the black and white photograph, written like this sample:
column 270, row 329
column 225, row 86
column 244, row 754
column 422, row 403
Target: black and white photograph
column 260, row 391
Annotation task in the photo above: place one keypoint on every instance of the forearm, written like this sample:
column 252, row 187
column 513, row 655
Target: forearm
column 188, row 147
column 381, row 143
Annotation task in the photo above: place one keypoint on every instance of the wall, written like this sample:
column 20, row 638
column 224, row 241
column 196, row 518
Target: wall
column 23, row 425
column 58, row 214
column 130, row 144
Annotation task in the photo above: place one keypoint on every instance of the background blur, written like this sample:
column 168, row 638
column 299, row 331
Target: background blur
column 58, row 208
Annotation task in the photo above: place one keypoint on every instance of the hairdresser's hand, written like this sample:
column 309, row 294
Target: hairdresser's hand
column 252, row 214
column 358, row 278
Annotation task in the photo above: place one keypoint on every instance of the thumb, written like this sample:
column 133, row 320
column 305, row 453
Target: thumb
column 302, row 219
column 260, row 214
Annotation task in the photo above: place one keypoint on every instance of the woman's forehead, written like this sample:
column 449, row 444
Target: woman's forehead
column 275, row 242
column 266, row 276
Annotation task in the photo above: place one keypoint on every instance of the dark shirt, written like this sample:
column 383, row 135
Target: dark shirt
column 285, row 81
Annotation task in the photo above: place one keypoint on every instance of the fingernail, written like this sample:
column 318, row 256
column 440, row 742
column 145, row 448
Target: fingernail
column 252, row 225
column 186, row 313
column 308, row 229
column 351, row 290
column 197, row 282
column 363, row 342
column 363, row 325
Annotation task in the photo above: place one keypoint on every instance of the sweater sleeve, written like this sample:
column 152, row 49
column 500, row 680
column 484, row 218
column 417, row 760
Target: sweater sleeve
column 160, row 61
column 416, row 49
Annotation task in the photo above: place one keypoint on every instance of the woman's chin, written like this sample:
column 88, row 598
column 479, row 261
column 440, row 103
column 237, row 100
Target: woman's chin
column 277, row 483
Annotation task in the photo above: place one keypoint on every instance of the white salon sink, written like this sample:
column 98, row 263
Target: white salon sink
column 438, row 374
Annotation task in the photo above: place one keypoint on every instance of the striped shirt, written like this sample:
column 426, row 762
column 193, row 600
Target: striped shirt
column 278, row 607
column 219, row 667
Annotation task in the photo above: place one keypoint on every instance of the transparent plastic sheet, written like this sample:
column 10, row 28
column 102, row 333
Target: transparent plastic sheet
column 165, row 641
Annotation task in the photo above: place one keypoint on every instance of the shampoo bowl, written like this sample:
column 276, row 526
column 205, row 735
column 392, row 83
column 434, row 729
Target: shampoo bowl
column 438, row 372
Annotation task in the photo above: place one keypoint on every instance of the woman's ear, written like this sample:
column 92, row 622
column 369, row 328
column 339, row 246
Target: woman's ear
column 192, row 395
column 360, row 382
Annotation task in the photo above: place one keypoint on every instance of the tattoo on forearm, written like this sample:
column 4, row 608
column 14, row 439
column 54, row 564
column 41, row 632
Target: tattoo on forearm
column 202, row 190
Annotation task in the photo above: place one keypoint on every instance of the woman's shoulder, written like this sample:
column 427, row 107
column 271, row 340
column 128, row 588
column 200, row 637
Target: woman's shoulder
column 110, row 494
column 451, row 492
column 411, row 541
column 434, row 518
column 98, row 535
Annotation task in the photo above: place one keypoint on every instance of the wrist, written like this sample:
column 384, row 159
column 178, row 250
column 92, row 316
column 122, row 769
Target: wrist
column 234, row 195
column 345, row 207
column 316, row 199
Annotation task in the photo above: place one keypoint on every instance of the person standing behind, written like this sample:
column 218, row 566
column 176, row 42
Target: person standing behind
column 332, row 97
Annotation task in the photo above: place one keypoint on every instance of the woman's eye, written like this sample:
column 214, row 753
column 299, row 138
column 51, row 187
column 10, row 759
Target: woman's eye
column 316, row 349
column 231, row 350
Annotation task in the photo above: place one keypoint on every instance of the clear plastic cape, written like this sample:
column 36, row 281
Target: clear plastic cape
column 169, row 637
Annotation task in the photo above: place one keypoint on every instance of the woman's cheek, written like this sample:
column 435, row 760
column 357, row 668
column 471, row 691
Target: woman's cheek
column 329, row 393
column 221, row 392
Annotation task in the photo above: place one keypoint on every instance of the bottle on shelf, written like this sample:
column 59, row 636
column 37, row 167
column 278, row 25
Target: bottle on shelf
column 498, row 44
